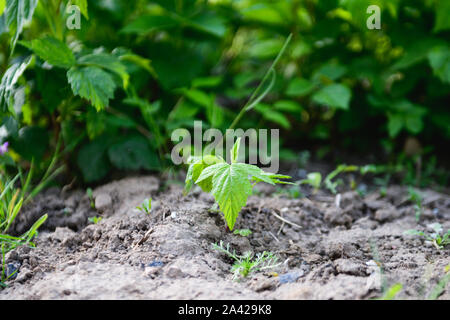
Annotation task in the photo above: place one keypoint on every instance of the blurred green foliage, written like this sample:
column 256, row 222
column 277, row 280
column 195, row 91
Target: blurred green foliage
column 114, row 89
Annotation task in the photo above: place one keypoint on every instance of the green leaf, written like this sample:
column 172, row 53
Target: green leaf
column 83, row 5
column 53, row 51
column 243, row 232
column 93, row 159
column 272, row 115
column 133, row 153
column 18, row 13
column 8, row 84
column 206, row 82
column 395, row 124
column 93, row 84
column 148, row 23
column 31, row 142
column 231, row 185
column 439, row 58
column 442, row 21
column 208, row 23
column 334, row 95
column 314, row 179
column 231, row 188
column 288, row 106
column 196, row 166
column 2, row 6
column 139, row 61
column 266, row 49
column 299, row 87
column 199, row 97
column 329, row 71
column 108, row 62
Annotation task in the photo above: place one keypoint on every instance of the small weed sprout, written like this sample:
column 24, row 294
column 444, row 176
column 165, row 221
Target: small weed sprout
column 247, row 263
column 392, row 292
column 415, row 197
column 95, row 220
column 437, row 238
column 314, row 179
column 440, row 287
column 230, row 184
column 243, row 232
column 91, row 197
column 146, row 206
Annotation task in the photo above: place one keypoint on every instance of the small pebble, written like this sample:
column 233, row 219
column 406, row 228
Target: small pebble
column 156, row 264
column 290, row 277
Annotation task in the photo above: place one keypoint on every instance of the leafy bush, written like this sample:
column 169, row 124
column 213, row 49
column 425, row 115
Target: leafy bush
column 114, row 89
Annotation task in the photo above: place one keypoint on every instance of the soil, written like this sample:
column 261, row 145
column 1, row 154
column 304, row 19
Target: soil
column 344, row 247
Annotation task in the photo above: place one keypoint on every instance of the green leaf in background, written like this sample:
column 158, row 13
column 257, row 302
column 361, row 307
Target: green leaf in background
column 2, row 6
column 176, row 66
column 442, row 21
column 108, row 62
column 209, row 23
column 333, row 95
column 199, row 97
column 18, row 13
column 95, row 123
column 184, row 110
column 93, row 160
column 83, row 5
column 329, row 72
column 405, row 115
column 8, row 83
column 265, row 49
column 288, row 106
column 93, row 84
column 31, row 143
column 206, row 82
column 133, row 153
column 299, row 87
column 272, row 115
column 52, row 50
column 416, row 52
column 149, row 23
column 439, row 58
column 395, row 124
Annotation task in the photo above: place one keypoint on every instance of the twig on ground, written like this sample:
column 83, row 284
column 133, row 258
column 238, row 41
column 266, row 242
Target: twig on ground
column 284, row 220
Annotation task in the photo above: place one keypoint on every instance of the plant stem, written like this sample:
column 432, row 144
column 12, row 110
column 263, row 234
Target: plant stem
column 270, row 71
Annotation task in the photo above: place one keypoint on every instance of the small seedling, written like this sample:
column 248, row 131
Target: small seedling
column 415, row 197
column 314, row 179
column 332, row 186
column 146, row 206
column 90, row 195
column 243, row 232
column 440, row 287
column 392, row 292
column 437, row 238
column 230, row 184
column 95, row 220
column 247, row 263
column 292, row 192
